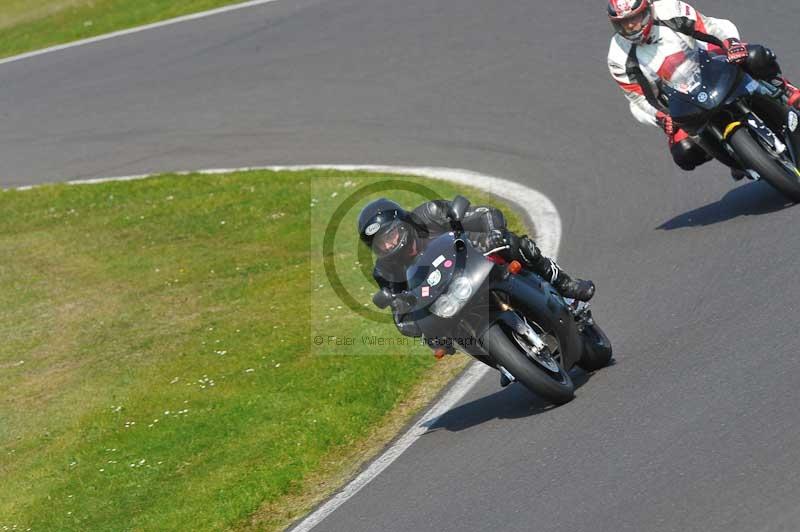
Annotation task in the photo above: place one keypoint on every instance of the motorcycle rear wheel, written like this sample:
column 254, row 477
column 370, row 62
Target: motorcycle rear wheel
column 557, row 389
column 773, row 172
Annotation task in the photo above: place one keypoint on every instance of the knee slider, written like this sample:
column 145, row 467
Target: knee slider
column 688, row 155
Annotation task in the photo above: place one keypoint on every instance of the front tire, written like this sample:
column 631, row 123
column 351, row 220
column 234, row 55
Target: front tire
column 754, row 156
column 557, row 389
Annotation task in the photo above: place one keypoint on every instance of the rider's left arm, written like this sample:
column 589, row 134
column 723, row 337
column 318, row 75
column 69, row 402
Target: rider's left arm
column 714, row 31
column 484, row 219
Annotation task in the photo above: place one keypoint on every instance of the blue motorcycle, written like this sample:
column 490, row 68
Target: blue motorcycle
column 741, row 121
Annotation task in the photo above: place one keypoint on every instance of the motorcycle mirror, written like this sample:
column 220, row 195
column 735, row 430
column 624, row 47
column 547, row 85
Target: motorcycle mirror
column 382, row 299
column 458, row 208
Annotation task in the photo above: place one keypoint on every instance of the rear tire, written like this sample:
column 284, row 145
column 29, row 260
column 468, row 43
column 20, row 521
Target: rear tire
column 756, row 157
column 557, row 389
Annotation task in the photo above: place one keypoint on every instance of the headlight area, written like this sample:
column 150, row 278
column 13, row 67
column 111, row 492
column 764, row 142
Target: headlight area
column 453, row 300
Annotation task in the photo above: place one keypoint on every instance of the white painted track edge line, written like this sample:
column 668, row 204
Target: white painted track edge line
column 539, row 209
column 457, row 390
column 136, row 29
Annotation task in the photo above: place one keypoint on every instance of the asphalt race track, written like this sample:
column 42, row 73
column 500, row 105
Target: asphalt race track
column 696, row 427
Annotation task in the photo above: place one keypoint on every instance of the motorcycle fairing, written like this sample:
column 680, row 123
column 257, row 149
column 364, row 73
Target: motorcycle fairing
column 793, row 133
column 444, row 248
column 529, row 295
column 718, row 83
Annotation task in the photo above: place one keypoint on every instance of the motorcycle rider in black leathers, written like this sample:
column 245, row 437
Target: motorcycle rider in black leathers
column 396, row 236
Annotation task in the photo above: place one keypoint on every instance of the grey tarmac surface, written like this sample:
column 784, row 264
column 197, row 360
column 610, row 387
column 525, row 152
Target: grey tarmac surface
column 696, row 426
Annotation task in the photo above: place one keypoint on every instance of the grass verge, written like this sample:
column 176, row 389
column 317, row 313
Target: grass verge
column 26, row 25
column 157, row 367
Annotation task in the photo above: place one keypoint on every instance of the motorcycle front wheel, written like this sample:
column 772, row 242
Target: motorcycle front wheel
column 773, row 171
column 555, row 387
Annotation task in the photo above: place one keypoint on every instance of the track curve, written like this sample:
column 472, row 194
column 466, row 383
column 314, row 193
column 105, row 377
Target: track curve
column 694, row 428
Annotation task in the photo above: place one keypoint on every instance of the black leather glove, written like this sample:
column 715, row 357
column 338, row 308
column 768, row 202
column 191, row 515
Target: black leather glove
column 403, row 302
column 494, row 239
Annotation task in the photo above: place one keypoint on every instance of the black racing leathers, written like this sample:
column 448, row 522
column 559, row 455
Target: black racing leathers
column 487, row 230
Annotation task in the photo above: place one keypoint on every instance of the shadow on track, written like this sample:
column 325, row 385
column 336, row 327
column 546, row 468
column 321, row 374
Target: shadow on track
column 513, row 402
column 752, row 199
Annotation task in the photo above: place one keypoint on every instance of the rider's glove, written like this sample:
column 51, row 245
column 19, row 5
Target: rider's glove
column 402, row 303
column 665, row 121
column 493, row 239
column 736, row 50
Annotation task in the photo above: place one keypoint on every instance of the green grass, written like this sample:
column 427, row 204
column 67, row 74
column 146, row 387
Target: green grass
column 26, row 25
column 157, row 366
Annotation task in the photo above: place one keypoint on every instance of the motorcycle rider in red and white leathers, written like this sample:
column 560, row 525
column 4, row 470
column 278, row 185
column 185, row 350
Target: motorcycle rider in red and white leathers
column 651, row 39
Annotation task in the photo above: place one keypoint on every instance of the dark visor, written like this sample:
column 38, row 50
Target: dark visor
column 390, row 239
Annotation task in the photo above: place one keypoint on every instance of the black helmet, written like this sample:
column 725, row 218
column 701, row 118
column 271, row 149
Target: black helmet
column 388, row 229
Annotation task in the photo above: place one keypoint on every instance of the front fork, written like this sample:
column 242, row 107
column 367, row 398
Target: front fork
column 528, row 340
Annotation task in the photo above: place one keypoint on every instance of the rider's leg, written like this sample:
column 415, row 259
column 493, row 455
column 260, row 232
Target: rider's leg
column 688, row 155
column 547, row 268
column 763, row 64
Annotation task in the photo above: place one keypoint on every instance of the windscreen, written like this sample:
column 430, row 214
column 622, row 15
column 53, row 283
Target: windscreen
column 681, row 71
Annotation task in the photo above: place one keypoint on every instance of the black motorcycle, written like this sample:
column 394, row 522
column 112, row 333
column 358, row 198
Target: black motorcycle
column 743, row 122
column 506, row 317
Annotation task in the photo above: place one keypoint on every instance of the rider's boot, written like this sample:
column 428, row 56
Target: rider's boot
column 568, row 287
column 577, row 289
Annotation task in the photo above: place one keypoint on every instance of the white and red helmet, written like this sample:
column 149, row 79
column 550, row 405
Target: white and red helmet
column 633, row 19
